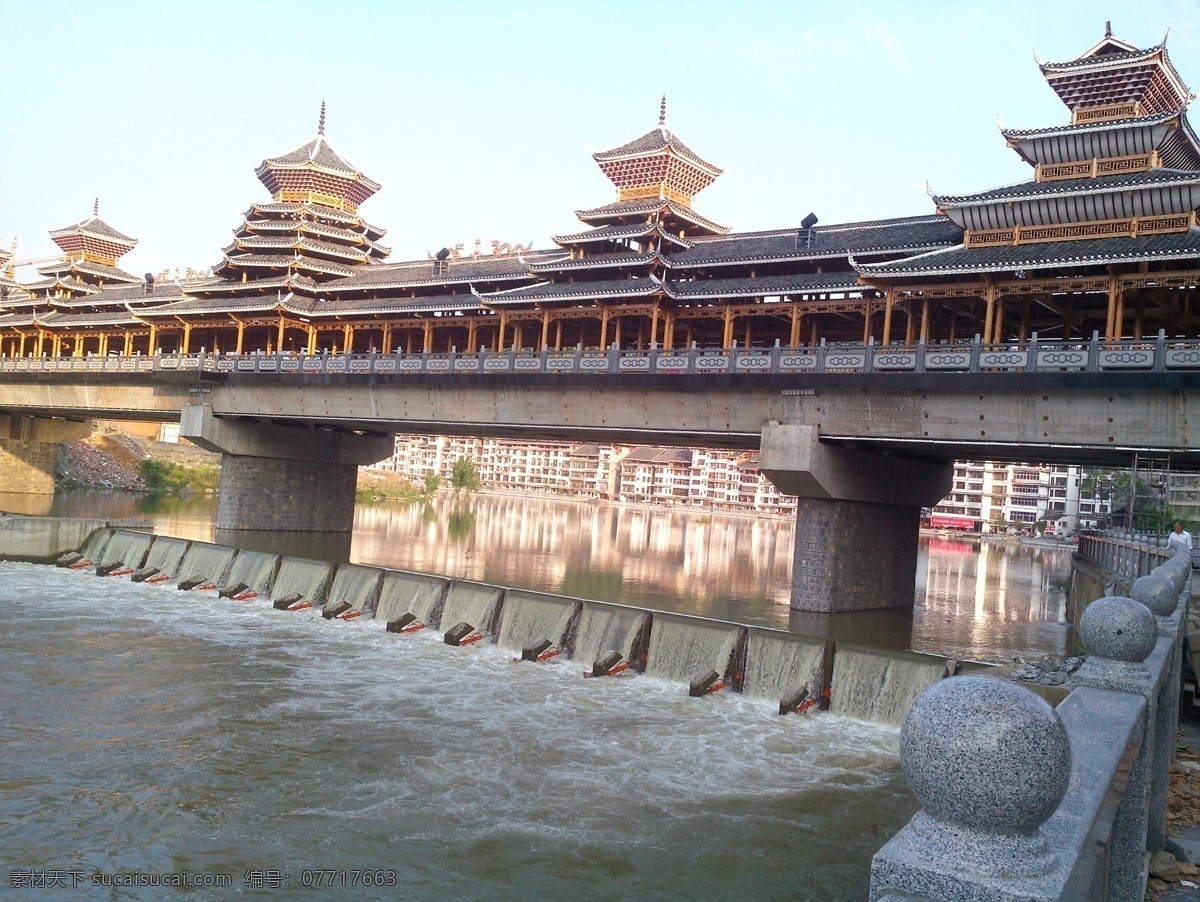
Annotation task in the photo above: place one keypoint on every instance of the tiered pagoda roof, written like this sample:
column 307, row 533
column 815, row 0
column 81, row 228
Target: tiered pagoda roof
column 1114, row 78
column 91, row 249
column 1121, row 181
column 311, row 231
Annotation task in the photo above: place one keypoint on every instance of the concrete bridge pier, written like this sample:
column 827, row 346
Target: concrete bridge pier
column 857, row 519
column 29, row 451
column 283, row 478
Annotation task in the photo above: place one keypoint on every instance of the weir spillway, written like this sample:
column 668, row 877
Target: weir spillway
column 761, row 663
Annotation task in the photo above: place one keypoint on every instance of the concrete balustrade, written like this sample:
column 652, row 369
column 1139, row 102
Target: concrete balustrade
column 1022, row 801
column 1157, row 355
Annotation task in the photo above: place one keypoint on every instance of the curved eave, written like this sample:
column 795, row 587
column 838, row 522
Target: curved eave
column 614, row 261
column 573, row 291
column 1065, row 188
column 961, row 261
column 798, row 257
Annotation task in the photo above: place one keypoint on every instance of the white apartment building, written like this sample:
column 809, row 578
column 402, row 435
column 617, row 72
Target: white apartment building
column 992, row 497
column 700, row 477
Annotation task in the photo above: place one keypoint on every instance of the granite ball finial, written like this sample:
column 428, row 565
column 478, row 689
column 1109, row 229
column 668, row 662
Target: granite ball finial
column 986, row 755
column 1119, row 629
column 1157, row 592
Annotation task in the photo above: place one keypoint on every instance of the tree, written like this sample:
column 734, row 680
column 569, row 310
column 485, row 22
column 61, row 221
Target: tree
column 464, row 477
column 432, row 481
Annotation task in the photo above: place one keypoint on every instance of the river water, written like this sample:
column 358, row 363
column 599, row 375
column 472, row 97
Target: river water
column 150, row 732
column 987, row 603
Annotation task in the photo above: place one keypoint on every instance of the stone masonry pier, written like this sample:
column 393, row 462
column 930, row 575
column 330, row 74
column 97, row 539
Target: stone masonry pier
column 857, row 519
column 283, row 478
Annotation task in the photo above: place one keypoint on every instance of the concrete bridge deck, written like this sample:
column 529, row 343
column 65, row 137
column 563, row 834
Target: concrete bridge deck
column 864, row 436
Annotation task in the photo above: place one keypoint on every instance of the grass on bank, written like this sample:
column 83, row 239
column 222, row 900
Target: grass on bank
column 165, row 476
column 376, row 486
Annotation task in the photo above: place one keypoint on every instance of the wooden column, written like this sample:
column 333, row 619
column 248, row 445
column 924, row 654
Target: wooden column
column 153, row 339
column 889, row 301
column 347, row 338
column 184, row 348
column 545, row 345
column 40, row 338
column 77, row 349
column 279, row 338
column 408, row 340
column 925, row 321
column 1139, row 317
column 989, row 320
column 427, row 342
column 953, row 324
column 1023, row 335
column 558, row 334
column 866, row 320
column 998, row 329
column 797, row 322
column 1119, row 321
column 749, row 331
column 617, row 328
column 654, row 326
column 472, row 328
column 727, row 337
column 603, row 328
column 387, row 337
column 241, row 336
column 21, row 352
column 57, row 352
column 103, row 344
column 910, row 324
column 669, row 331
column 1114, row 293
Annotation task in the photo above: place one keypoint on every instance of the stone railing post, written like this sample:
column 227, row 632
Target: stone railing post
column 1120, row 635
column 989, row 762
column 1162, row 591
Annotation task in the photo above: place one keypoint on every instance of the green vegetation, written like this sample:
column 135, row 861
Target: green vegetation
column 164, row 476
column 375, row 486
column 432, row 481
column 1124, row 491
column 464, row 477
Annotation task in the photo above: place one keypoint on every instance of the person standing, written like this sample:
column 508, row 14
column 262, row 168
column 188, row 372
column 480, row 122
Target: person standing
column 1180, row 538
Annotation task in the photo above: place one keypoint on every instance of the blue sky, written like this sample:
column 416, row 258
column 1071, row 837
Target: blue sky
column 479, row 118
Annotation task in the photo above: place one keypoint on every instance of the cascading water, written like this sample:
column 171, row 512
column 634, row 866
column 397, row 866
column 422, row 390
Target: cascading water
column 683, row 647
column 777, row 664
column 880, row 685
column 207, row 562
column 358, row 586
column 94, row 545
column 166, row 554
column 529, row 616
column 473, row 603
column 605, row 628
column 405, row 593
column 308, row 579
column 254, row 569
column 125, row 547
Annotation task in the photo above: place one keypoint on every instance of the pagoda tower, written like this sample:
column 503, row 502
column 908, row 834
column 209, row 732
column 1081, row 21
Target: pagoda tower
column 656, row 177
column 310, row 232
column 1127, row 165
column 91, row 249
column 1113, row 190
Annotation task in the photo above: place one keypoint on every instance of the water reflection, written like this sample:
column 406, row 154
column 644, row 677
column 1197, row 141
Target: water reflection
column 990, row 602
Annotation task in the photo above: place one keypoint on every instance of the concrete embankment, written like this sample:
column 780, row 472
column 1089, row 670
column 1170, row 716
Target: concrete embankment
column 41, row 540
